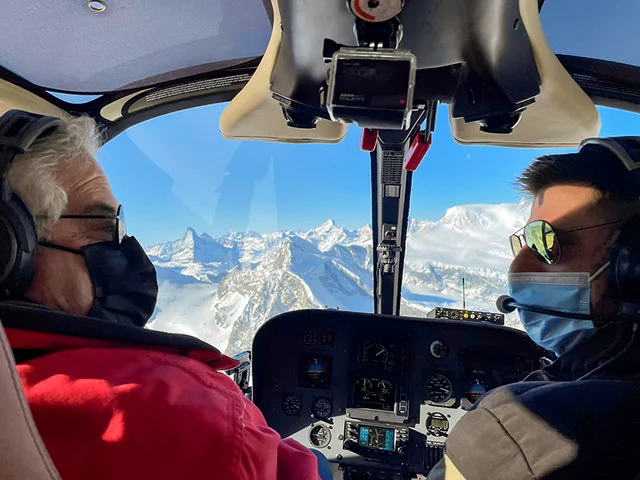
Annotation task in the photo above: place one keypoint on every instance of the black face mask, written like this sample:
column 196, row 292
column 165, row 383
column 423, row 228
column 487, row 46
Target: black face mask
column 124, row 280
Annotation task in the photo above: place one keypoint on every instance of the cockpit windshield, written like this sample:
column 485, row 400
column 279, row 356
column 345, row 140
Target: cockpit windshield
column 242, row 231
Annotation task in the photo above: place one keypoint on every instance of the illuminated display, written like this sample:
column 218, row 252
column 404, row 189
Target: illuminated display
column 439, row 423
column 377, row 438
column 315, row 371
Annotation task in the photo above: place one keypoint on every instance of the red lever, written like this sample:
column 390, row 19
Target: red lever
column 417, row 151
column 369, row 139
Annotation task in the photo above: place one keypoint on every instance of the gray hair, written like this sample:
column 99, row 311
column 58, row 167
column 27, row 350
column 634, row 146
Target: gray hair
column 32, row 175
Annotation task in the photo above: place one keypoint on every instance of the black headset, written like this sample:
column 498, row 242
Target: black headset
column 624, row 253
column 18, row 237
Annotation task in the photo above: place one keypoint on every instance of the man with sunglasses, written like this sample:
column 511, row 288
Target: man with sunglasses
column 575, row 279
column 112, row 400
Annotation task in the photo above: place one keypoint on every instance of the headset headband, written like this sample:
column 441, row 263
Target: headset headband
column 18, row 130
column 626, row 149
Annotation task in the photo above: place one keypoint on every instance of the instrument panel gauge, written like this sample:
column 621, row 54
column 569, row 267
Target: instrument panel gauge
column 315, row 371
column 375, row 354
column 322, row 408
column 437, row 424
column 316, row 368
column 439, row 388
column 292, row 404
column 476, row 390
column 385, row 386
column 365, row 384
column 439, row 349
column 320, row 436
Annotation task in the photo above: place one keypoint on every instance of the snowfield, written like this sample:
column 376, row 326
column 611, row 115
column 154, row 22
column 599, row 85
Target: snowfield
column 223, row 289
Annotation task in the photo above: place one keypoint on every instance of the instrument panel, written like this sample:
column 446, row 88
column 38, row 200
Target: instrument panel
column 378, row 395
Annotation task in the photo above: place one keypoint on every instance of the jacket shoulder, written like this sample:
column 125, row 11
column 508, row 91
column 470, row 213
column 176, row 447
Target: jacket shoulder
column 550, row 430
column 132, row 413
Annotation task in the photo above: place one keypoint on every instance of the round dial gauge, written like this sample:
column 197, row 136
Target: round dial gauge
column 376, row 354
column 439, row 349
column 320, row 436
column 476, row 390
column 385, row 386
column 439, row 388
column 322, row 408
column 292, row 404
column 365, row 385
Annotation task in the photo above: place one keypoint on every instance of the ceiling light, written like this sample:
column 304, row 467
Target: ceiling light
column 97, row 6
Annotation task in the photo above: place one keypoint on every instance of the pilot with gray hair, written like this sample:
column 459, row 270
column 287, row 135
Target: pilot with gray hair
column 111, row 400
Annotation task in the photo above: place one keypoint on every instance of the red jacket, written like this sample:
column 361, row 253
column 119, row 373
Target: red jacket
column 110, row 411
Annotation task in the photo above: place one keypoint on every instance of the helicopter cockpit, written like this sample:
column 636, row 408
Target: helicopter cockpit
column 378, row 392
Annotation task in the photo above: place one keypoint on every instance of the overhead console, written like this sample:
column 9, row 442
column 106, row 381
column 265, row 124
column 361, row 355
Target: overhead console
column 469, row 55
column 378, row 395
column 375, row 62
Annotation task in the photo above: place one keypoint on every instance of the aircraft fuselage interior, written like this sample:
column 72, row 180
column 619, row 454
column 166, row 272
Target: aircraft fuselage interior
column 376, row 393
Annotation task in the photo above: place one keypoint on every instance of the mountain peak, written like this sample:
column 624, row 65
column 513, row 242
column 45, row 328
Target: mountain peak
column 190, row 234
column 326, row 226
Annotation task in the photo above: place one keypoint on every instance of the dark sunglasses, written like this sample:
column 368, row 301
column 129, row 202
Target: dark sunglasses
column 543, row 240
column 120, row 230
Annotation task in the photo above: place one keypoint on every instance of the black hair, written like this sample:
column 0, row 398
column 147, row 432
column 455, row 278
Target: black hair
column 592, row 166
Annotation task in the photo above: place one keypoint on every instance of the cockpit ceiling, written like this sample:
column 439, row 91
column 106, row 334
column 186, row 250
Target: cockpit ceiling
column 131, row 44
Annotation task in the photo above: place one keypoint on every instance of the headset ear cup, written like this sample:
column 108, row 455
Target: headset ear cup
column 8, row 249
column 624, row 256
column 18, row 248
column 18, row 236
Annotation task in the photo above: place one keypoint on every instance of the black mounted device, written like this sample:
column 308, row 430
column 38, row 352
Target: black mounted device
column 373, row 62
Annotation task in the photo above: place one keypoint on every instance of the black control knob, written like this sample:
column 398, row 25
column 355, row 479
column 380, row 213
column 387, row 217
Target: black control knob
column 349, row 445
column 402, row 450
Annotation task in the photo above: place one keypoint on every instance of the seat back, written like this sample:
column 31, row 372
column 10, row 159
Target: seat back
column 22, row 452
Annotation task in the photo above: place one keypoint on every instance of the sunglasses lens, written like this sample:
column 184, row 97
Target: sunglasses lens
column 516, row 245
column 541, row 239
column 122, row 224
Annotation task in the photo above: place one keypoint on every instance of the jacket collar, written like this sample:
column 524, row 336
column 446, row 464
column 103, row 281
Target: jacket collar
column 33, row 328
column 614, row 350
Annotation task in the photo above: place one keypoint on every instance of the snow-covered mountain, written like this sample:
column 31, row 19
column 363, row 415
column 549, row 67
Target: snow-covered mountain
column 222, row 289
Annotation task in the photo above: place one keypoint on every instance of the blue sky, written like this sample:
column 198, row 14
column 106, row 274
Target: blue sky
column 177, row 171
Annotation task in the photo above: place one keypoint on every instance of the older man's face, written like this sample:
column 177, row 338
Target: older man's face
column 61, row 279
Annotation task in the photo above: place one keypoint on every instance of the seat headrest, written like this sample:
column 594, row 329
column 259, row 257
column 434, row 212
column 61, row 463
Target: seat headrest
column 22, row 452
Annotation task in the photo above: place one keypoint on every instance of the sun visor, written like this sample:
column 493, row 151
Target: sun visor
column 562, row 115
column 14, row 97
column 254, row 114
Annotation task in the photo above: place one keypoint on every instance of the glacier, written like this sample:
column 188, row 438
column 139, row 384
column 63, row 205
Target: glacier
column 222, row 289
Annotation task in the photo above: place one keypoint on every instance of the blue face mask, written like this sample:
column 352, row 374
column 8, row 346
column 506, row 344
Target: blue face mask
column 564, row 292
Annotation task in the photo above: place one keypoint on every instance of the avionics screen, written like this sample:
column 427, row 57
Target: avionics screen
column 377, row 438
